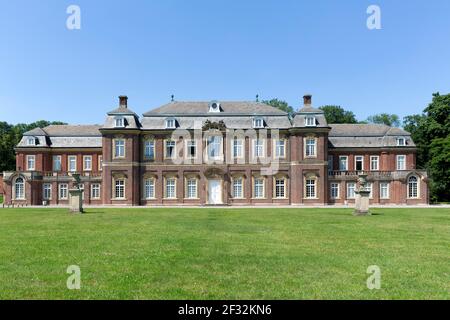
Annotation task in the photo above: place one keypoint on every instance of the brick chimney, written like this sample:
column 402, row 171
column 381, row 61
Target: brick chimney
column 123, row 101
column 307, row 99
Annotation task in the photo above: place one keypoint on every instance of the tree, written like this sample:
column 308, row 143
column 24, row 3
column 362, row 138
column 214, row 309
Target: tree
column 336, row 114
column 280, row 104
column 391, row 120
column 415, row 124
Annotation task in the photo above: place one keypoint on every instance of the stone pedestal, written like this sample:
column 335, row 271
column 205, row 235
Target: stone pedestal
column 362, row 203
column 75, row 201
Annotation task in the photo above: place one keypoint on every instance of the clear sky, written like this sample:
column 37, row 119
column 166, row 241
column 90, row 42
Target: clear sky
column 219, row 49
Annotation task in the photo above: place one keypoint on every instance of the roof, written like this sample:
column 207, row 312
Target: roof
column 35, row 132
column 202, row 107
column 73, row 130
column 122, row 110
column 310, row 109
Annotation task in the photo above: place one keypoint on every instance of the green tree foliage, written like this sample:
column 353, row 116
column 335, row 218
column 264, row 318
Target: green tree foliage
column 391, row 120
column 280, row 104
column 336, row 114
column 10, row 136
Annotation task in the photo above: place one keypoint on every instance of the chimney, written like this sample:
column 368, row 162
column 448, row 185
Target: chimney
column 307, row 99
column 123, row 101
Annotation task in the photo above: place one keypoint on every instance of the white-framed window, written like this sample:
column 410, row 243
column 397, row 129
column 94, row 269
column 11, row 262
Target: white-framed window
column 330, row 163
column 56, row 163
column 401, row 142
column 214, row 107
column 310, row 147
column 310, row 121
column 19, row 189
column 310, row 189
column 359, row 163
column 31, row 141
column 191, row 189
column 258, row 123
column 171, row 191
column 170, row 149
column 31, row 162
column 258, row 145
column 258, row 188
column 334, row 190
column 63, row 191
column 343, row 163
column 119, row 148
column 280, row 148
column 401, row 162
column 119, row 122
column 280, row 188
column 171, row 123
column 214, row 147
column 238, row 188
column 413, row 187
column 369, row 186
column 149, row 188
column 95, row 191
column 47, row 191
column 87, row 163
column 238, row 148
column 374, row 163
column 149, row 149
column 119, row 188
column 100, row 163
column 351, row 190
column 384, row 190
column 72, row 163
column 191, row 149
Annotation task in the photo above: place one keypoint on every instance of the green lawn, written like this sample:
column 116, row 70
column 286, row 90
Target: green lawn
column 1, row 199
column 224, row 254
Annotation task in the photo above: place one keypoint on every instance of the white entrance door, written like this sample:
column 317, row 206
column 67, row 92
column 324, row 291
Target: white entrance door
column 214, row 192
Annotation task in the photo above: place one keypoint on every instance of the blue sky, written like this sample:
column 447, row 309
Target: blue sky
column 219, row 49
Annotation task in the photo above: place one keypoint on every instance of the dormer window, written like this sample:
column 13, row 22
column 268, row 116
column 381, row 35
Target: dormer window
column 258, row 123
column 310, row 121
column 401, row 142
column 214, row 106
column 171, row 123
column 120, row 122
column 31, row 141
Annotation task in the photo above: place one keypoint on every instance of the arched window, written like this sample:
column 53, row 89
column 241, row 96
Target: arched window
column 19, row 187
column 413, row 187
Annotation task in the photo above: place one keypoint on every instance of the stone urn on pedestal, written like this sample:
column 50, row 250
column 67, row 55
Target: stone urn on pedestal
column 362, row 195
column 75, row 196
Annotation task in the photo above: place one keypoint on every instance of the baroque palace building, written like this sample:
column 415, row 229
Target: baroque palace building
column 215, row 153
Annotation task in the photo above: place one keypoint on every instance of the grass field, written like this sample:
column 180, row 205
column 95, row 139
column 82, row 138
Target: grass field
column 1, row 199
column 224, row 254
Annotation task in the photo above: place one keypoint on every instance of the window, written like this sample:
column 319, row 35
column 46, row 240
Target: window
column 413, row 187
column 280, row 188
column 401, row 142
column 238, row 188
column 384, row 190
column 95, row 191
column 31, row 162
column 170, row 149
column 171, row 188
column 149, row 149
column 72, row 163
column 119, row 148
column 120, row 122
column 47, row 191
column 310, row 146
column 280, row 148
column 401, row 162
column 214, row 146
column 171, row 124
column 237, row 148
column 334, row 190
column 359, row 163
column 191, row 189
column 258, row 191
column 87, row 163
column 330, row 163
column 351, row 190
column 310, row 188
column 119, row 189
column 56, row 163
column 258, row 123
column 100, row 163
column 191, row 149
column 149, row 188
column 62, row 191
column 374, row 163
column 31, row 141
column 343, row 163
column 369, row 186
column 19, row 187
column 310, row 121
column 214, row 107
column 259, row 148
